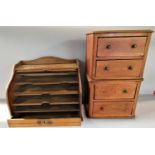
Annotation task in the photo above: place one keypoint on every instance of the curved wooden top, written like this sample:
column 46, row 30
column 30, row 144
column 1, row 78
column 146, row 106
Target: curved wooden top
column 47, row 60
column 46, row 64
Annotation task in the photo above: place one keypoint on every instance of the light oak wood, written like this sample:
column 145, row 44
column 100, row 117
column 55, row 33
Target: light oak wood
column 45, row 88
column 44, row 122
column 115, row 67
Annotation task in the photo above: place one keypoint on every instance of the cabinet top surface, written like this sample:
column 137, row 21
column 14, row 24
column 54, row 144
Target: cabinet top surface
column 121, row 31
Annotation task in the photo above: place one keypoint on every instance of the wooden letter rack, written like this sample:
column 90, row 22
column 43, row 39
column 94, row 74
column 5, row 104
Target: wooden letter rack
column 45, row 92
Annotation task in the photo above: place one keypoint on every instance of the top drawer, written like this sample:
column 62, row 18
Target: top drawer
column 123, row 46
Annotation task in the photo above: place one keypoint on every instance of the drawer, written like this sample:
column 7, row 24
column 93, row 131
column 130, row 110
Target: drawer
column 112, row 109
column 118, row 69
column 19, row 122
column 115, row 89
column 123, row 46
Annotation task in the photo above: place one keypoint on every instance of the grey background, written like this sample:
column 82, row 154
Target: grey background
column 24, row 43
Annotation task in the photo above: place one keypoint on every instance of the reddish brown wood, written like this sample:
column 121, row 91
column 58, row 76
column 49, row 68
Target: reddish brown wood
column 125, row 46
column 115, row 90
column 112, row 109
column 115, row 67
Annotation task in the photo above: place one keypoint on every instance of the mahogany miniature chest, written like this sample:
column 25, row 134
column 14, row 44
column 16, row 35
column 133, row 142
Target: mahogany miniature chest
column 115, row 66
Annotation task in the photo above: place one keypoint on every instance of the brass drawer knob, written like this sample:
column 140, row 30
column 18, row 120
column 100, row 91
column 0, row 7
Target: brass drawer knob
column 134, row 46
column 106, row 68
column 108, row 46
column 130, row 68
column 101, row 108
column 125, row 91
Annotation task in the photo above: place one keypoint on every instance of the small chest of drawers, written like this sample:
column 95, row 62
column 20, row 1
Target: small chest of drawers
column 45, row 92
column 115, row 64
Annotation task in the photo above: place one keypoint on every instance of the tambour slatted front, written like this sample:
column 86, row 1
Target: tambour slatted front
column 115, row 64
column 45, row 92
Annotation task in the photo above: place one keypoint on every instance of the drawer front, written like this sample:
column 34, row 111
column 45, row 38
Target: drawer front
column 118, row 68
column 44, row 122
column 113, row 109
column 127, row 46
column 115, row 89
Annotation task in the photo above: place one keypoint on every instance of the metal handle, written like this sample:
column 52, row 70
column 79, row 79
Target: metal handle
column 130, row 68
column 108, row 46
column 134, row 46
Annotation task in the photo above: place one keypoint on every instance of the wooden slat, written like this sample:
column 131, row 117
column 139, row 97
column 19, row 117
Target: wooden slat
column 42, row 68
column 46, row 89
column 47, row 74
column 36, row 100
column 35, row 80
column 46, row 110
column 58, row 92
column 47, row 115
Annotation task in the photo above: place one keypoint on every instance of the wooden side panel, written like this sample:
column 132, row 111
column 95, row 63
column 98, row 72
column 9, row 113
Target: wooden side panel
column 89, row 54
column 80, row 88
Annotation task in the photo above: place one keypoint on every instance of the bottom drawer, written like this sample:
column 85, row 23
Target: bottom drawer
column 112, row 109
column 19, row 122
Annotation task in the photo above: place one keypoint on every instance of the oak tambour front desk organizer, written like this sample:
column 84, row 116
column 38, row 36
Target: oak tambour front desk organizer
column 45, row 92
column 115, row 65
